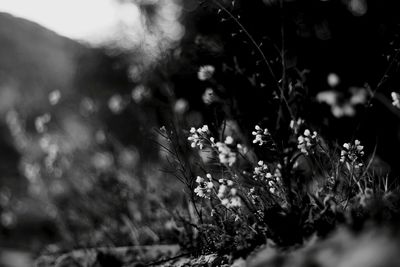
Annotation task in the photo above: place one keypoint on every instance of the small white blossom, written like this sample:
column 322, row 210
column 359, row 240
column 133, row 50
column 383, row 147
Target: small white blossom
column 205, row 72
column 210, row 185
column 228, row 140
column 225, row 202
column 295, row 125
column 233, row 191
column 41, row 122
column 221, row 191
column 209, row 96
column 54, row 97
column 181, row 106
column 396, row 99
column 242, row 149
column 199, row 180
column 116, row 104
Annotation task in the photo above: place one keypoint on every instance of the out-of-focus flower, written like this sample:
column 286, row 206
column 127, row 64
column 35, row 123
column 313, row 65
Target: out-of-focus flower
column 128, row 158
column 140, row 93
column 116, row 104
column 357, row 7
column 359, row 95
column 181, row 106
column 333, row 79
column 87, row 106
column 100, row 137
column 209, row 96
column 328, row 97
column 242, row 149
column 340, row 109
column 54, row 97
column 343, row 110
column 296, row 124
column 205, row 72
column 102, row 161
column 41, row 122
column 396, row 99
column 229, row 140
column 225, row 154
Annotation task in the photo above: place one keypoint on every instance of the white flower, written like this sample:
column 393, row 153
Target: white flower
column 396, row 99
column 140, row 93
column 209, row 96
column 235, row 202
column 41, row 122
column 221, row 191
column 181, row 106
column 210, row 185
column 116, row 104
column 229, row 140
column 233, row 191
column 205, row 129
column 205, row 72
column 242, row 149
column 199, row 180
column 199, row 191
column 295, row 125
column 54, row 97
column 333, row 79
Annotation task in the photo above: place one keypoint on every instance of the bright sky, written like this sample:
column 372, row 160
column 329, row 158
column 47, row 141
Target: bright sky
column 88, row 20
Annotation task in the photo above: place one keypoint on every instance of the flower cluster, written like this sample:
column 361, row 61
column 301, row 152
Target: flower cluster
column 261, row 136
column 198, row 137
column 307, row 142
column 225, row 153
column 205, row 72
column 396, row 99
column 228, row 194
column 262, row 173
column 352, row 154
column 204, row 186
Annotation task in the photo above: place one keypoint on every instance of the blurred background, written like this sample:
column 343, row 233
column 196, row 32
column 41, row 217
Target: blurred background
column 84, row 84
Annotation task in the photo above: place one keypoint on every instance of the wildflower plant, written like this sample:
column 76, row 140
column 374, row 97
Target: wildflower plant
column 276, row 167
